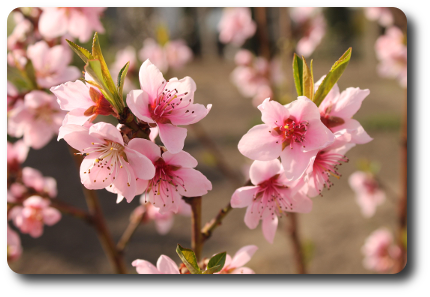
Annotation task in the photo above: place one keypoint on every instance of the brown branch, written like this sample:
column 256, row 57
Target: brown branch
column 221, row 164
column 403, row 201
column 196, row 223
column 129, row 231
column 262, row 32
column 215, row 222
column 114, row 256
column 297, row 248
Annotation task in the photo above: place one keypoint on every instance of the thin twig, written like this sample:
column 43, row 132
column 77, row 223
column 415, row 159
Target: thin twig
column 297, row 248
column 215, row 222
column 129, row 231
column 196, row 223
column 103, row 233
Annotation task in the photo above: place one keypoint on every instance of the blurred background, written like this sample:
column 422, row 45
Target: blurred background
column 332, row 234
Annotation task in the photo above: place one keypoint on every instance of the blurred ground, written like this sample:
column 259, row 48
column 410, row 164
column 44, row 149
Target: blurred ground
column 335, row 227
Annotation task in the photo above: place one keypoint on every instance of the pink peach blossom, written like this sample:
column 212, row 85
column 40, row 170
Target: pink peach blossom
column 294, row 132
column 263, row 91
column 271, row 195
column 34, row 213
column 324, row 165
column 37, row 118
column 337, row 110
column 17, row 58
column 20, row 33
column 12, row 96
column 381, row 14
column 166, row 104
column 51, row 64
column 243, row 57
column 14, row 248
column 178, row 53
column 379, row 251
column 174, row 177
column 311, row 26
column 392, row 52
column 123, row 56
column 236, row 25
column 15, row 193
column 33, row 178
column 79, row 22
column 165, row 265
column 163, row 221
column 235, row 265
column 368, row 192
column 248, row 80
column 154, row 52
column 16, row 153
column 108, row 160
column 83, row 102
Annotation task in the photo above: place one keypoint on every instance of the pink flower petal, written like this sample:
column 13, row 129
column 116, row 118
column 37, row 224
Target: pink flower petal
column 144, row 267
column 243, row 255
column 195, row 183
column 269, row 228
column 243, row 197
column 259, row 144
column 138, row 101
column 349, row 102
column 273, row 113
column 77, row 137
column 125, row 181
column 151, row 79
column 146, row 148
column 295, row 162
column 173, row 137
column 106, row 131
column 243, row 270
column 192, row 114
column 261, row 171
column 352, row 131
column 142, row 166
column 182, row 159
column 73, row 95
column 53, row 22
column 96, row 177
column 317, row 137
column 303, row 109
column 167, row 266
column 51, row 216
column 252, row 217
column 163, row 226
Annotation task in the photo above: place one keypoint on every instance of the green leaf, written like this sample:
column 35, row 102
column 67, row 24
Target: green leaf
column 213, row 269
column 308, row 80
column 80, row 51
column 298, row 74
column 97, row 54
column 121, row 77
column 332, row 77
column 217, row 260
column 30, row 75
column 189, row 259
column 94, row 69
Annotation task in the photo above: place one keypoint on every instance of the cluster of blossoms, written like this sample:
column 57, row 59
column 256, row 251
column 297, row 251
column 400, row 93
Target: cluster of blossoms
column 309, row 28
column 391, row 51
column 36, row 52
column 28, row 197
column 381, row 14
column 254, row 76
column 311, row 143
column 236, row 25
column 165, row 265
column 133, row 166
column 380, row 253
column 368, row 192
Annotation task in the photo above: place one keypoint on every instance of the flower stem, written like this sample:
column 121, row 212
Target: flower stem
column 105, row 238
column 297, row 248
column 129, row 231
column 196, row 223
column 215, row 222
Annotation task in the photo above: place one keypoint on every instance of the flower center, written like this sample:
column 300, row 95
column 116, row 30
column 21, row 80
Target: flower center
column 325, row 165
column 165, row 182
column 291, row 132
column 166, row 102
column 111, row 156
column 269, row 199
